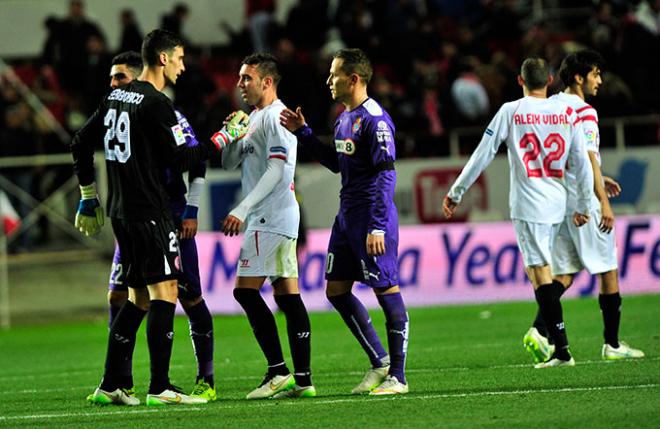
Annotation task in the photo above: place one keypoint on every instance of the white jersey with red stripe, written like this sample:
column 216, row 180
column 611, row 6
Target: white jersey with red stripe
column 278, row 212
column 541, row 135
column 588, row 119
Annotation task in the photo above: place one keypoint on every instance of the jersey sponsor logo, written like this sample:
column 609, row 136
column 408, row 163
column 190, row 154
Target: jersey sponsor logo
column 538, row 119
column 383, row 133
column 247, row 149
column 179, row 137
column 126, row 96
column 182, row 120
column 346, row 146
column 356, row 125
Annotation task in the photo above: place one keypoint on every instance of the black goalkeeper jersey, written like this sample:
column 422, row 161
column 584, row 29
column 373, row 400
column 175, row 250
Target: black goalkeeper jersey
column 142, row 138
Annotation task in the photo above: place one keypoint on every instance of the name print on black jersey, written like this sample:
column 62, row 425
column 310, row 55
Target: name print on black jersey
column 126, row 96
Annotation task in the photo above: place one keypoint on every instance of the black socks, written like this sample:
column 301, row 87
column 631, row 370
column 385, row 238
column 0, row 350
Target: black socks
column 160, row 333
column 121, row 343
column 610, row 307
column 299, row 332
column 263, row 325
column 547, row 297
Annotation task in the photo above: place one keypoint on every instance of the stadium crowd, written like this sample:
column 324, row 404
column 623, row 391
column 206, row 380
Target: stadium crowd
column 439, row 64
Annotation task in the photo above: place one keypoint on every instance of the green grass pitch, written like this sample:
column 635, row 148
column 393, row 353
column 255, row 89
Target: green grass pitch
column 466, row 369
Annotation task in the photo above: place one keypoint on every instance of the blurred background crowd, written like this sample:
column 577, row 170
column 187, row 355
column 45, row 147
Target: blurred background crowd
column 439, row 65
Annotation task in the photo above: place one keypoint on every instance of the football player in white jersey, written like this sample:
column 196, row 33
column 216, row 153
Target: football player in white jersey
column 541, row 137
column 270, row 213
column 592, row 247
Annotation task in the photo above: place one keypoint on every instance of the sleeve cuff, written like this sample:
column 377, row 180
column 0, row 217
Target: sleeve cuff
column 190, row 212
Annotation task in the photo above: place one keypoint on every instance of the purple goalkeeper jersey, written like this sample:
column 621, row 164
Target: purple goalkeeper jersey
column 364, row 154
column 174, row 184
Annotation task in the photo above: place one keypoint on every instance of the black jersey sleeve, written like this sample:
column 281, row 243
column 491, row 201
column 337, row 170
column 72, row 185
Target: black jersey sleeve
column 166, row 130
column 82, row 147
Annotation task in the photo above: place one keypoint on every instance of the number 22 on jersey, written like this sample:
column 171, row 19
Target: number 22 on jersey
column 538, row 164
column 119, row 131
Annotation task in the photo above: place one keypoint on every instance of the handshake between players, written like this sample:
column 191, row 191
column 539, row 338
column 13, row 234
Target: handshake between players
column 90, row 217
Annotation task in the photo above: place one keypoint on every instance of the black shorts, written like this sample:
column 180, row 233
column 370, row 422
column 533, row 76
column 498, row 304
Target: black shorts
column 149, row 250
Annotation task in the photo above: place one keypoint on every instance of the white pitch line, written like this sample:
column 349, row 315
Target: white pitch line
column 265, row 404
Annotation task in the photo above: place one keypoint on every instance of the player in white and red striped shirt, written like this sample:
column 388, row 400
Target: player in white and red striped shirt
column 592, row 247
column 541, row 136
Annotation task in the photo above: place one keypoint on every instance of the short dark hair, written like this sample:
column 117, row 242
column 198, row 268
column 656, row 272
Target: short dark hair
column 580, row 63
column 132, row 59
column 158, row 41
column 266, row 65
column 355, row 61
column 535, row 72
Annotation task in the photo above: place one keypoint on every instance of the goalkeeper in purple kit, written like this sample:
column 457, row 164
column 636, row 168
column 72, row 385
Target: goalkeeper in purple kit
column 364, row 239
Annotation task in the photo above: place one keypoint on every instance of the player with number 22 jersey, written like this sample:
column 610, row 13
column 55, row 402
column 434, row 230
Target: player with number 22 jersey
column 541, row 135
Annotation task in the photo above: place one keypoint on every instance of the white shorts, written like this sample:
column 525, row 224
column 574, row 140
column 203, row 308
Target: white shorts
column 268, row 254
column 585, row 247
column 535, row 241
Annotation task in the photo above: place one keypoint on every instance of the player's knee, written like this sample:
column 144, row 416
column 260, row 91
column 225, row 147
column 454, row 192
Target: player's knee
column 164, row 291
column 387, row 291
column 286, row 286
column 609, row 282
column 189, row 303
column 337, row 288
column 565, row 279
column 117, row 299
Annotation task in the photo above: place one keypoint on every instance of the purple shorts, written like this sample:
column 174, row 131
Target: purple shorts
column 347, row 253
column 189, row 284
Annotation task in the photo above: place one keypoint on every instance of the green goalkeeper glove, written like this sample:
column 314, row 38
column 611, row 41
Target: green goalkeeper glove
column 234, row 129
column 89, row 218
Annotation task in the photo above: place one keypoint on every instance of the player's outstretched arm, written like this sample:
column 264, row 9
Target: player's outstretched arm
column 323, row 153
column 291, row 120
column 448, row 207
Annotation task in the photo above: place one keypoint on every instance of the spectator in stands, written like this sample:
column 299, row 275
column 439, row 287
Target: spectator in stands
column 17, row 139
column 94, row 76
column 131, row 36
column 468, row 94
column 174, row 20
column 307, row 24
column 259, row 18
column 74, row 31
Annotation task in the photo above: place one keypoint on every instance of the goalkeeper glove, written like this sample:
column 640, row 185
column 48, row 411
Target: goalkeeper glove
column 234, row 130
column 89, row 218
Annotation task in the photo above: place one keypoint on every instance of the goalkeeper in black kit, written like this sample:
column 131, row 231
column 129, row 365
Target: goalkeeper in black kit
column 142, row 139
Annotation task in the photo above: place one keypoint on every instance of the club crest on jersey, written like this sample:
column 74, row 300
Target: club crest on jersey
column 179, row 137
column 383, row 133
column 356, row 125
column 346, row 146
